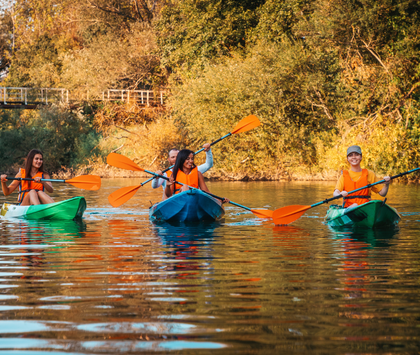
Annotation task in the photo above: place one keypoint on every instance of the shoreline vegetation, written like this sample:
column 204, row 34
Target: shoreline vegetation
column 320, row 75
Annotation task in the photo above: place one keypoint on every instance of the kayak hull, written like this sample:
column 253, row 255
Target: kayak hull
column 372, row 214
column 188, row 206
column 63, row 210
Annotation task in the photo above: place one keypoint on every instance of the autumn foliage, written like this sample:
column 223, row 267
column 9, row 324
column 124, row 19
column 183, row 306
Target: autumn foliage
column 320, row 75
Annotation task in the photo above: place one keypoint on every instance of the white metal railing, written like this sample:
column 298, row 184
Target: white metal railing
column 142, row 97
column 33, row 95
column 22, row 95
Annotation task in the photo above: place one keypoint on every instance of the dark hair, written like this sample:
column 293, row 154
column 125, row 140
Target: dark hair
column 180, row 160
column 29, row 160
column 175, row 149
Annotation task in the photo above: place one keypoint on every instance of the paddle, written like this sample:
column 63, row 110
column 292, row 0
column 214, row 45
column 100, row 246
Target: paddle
column 86, row 182
column 244, row 125
column 117, row 198
column 289, row 214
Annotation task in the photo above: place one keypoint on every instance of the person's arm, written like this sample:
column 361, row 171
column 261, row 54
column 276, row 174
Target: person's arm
column 338, row 193
column 47, row 184
column 209, row 159
column 339, row 188
column 202, row 185
column 7, row 190
column 158, row 181
column 169, row 188
column 384, row 190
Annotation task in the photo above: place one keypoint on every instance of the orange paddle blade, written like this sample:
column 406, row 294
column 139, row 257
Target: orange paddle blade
column 86, row 182
column 289, row 214
column 263, row 213
column 122, row 162
column 117, row 198
column 246, row 124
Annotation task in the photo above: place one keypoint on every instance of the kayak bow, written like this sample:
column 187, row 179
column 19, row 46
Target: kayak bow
column 372, row 214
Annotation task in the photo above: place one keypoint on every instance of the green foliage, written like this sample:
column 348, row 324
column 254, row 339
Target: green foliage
column 108, row 62
column 65, row 138
column 85, row 46
column 194, row 32
column 388, row 148
column 278, row 20
column 320, row 74
column 287, row 87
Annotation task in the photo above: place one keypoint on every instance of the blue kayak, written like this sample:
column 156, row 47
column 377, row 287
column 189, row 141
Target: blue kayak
column 188, row 206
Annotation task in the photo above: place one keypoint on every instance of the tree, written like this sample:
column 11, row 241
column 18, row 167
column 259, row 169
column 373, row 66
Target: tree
column 192, row 32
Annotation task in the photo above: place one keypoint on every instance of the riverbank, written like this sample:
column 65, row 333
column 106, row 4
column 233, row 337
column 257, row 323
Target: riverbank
column 109, row 172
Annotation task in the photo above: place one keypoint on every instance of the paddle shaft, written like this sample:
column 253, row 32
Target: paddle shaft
column 28, row 179
column 208, row 193
column 365, row 187
column 180, row 183
column 216, row 141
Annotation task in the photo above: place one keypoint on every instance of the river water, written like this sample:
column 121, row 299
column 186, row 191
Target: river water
column 116, row 283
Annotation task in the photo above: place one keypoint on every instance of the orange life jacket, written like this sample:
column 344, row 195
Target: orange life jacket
column 26, row 186
column 191, row 179
column 359, row 197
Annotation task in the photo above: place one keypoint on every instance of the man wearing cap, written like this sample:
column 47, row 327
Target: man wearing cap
column 357, row 177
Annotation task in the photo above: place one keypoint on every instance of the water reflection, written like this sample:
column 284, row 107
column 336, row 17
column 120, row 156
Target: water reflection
column 114, row 282
column 372, row 237
column 187, row 247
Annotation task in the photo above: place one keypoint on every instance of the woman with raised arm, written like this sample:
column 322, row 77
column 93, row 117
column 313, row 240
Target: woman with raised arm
column 30, row 192
column 186, row 172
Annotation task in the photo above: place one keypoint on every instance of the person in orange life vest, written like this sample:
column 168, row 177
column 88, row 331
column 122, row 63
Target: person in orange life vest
column 173, row 153
column 185, row 171
column 30, row 192
column 357, row 177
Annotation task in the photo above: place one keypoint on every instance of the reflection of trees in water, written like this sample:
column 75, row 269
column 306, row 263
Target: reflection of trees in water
column 185, row 243
column 31, row 233
column 33, row 247
column 356, row 272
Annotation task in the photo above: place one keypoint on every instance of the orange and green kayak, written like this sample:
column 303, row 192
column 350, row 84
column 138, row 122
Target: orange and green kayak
column 63, row 210
column 372, row 214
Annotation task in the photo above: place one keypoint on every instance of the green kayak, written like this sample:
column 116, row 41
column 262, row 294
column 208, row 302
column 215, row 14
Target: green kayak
column 67, row 209
column 372, row 214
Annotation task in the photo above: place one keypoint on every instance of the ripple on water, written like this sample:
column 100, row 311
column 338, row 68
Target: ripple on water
column 115, row 283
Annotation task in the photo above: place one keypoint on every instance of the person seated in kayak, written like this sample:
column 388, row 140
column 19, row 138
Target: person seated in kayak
column 173, row 153
column 186, row 172
column 357, row 177
column 30, row 192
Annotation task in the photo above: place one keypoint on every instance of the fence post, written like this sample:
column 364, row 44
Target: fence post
column 4, row 95
column 147, row 97
column 26, row 96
